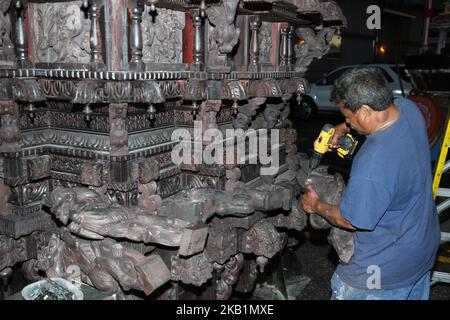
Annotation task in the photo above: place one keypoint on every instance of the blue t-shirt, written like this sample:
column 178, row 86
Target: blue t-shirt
column 389, row 198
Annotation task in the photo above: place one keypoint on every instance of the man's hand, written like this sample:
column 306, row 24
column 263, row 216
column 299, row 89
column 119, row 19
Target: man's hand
column 311, row 203
column 340, row 129
column 310, row 199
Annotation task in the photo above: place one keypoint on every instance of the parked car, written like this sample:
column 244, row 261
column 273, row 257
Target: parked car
column 318, row 98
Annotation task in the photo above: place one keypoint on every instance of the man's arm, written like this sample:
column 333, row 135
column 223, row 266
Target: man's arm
column 333, row 215
column 311, row 203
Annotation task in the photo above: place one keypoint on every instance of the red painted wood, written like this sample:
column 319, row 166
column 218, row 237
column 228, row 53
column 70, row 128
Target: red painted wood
column 26, row 21
column 188, row 40
column 116, row 32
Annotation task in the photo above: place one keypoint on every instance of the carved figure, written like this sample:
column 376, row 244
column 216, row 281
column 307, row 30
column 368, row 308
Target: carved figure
column 222, row 243
column 6, row 45
column 148, row 197
column 162, row 36
column 12, row 251
column 265, row 42
column 4, row 198
column 246, row 112
column 51, row 259
column 233, row 177
column 271, row 115
column 228, row 276
column 118, row 130
column 63, row 35
column 224, row 35
column 315, row 46
column 9, row 131
column 106, row 265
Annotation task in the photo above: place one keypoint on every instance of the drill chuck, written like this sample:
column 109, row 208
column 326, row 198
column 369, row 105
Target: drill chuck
column 346, row 145
column 315, row 160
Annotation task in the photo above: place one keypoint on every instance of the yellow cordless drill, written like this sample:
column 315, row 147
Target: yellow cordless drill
column 346, row 146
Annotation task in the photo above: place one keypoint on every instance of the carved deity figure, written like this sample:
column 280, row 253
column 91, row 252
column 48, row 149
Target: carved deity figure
column 6, row 45
column 316, row 44
column 246, row 112
column 9, row 132
column 224, row 34
column 63, row 35
column 51, row 259
column 162, row 36
column 265, row 42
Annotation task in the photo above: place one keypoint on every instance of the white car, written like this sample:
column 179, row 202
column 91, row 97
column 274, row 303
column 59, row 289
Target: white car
column 318, row 98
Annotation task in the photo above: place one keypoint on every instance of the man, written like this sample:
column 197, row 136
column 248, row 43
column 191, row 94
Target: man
column 388, row 201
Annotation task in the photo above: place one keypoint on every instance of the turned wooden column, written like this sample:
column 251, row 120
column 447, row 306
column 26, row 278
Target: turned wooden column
column 95, row 36
column 136, row 44
column 283, row 50
column 197, row 64
column 290, row 48
column 21, row 36
column 255, row 24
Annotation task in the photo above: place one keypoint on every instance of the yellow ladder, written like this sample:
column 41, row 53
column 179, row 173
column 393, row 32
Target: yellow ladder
column 442, row 166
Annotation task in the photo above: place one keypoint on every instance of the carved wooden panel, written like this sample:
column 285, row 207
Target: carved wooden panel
column 265, row 42
column 61, row 32
column 162, row 36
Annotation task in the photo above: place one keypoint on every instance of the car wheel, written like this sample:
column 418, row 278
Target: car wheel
column 306, row 109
